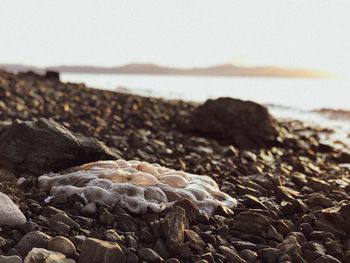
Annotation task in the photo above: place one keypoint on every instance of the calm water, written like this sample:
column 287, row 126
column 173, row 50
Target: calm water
column 297, row 93
column 294, row 97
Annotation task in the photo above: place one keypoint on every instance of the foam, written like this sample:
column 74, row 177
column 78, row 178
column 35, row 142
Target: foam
column 136, row 186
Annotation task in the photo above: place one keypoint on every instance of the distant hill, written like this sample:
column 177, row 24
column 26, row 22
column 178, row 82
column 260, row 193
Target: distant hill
column 227, row 70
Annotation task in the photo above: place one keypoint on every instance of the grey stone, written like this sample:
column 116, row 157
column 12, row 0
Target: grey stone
column 33, row 239
column 10, row 214
column 24, row 146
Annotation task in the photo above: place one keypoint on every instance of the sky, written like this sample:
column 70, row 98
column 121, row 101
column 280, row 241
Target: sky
column 184, row 33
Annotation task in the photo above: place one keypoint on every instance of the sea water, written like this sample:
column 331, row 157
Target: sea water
column 293, row 98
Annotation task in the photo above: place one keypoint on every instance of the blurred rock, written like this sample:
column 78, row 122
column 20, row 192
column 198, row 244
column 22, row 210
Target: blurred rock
column 244, row 124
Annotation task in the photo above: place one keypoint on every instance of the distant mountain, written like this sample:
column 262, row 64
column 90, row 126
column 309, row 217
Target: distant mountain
column 227, row 70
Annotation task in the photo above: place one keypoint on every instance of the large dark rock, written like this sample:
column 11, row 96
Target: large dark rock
column 244, row 124
column 43, row 146
column 54, row 75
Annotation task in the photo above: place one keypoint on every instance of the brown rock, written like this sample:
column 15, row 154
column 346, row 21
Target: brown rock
column 173, row 227
column 98, row 251
column 41, row 255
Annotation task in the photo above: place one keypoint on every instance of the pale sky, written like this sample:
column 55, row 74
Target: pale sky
column 297, row 33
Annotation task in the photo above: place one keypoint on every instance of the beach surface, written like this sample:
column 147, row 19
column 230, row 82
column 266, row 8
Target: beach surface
column 292, row 190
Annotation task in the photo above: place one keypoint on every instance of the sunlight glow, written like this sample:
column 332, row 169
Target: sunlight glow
column 293, row 33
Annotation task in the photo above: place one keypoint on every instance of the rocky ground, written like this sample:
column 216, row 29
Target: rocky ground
column 292, row 190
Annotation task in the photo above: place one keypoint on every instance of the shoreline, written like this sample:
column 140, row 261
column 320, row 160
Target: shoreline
column 293, row 198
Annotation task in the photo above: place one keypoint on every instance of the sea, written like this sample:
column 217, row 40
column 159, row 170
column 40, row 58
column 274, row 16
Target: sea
column 286, row 98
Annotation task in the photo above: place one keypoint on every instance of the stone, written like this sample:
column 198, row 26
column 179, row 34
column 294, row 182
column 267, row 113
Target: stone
column 89, row 210
column 78, row 241
column 244, row 124
column 269, row 255
column 10, row 259
column 254, row 223
column 173, row 227
column 231, row 255
column 249, row 255
column 113, row 236
column 126, row 223
column 313, row 250
column 191, row 209
column 208, row 257
column 62, row 223
column 160, row 248
column 290, row 246
column 33, row 239
column 52, row 75
column 150, row 255
column 24, row 147
column 10, row 214
column 98, row 251
column 195, row 240
column 297, row 258
column 7, row 175
column 327, row 259
column 41, row 255
column 63, row 245
column 339, row 215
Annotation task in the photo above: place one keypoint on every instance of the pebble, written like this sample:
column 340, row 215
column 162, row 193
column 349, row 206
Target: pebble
column 99, row 251
column 150, row 255
column 41, row 255
column 10, row 214
column 173, row 227
column 34, row 239
column 62, row 223
column 10, row 259
column 63, row 245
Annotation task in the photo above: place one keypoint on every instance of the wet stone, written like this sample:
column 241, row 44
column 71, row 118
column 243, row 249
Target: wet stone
column 33, row 239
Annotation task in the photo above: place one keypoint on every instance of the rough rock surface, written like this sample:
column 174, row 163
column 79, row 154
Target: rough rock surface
column 244, row 124
column 10, row 215
column 63, row 245
column 34, row 239
column 10, row 259
column 41, row 255
column 173, row 226
column 98, row 251
column 43, row 146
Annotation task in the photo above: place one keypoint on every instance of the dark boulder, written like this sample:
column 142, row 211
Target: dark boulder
column 42, row 146
column 244, row 124
column 53, row 75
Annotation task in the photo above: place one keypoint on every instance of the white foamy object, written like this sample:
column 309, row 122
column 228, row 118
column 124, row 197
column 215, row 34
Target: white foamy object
column 136, row 186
